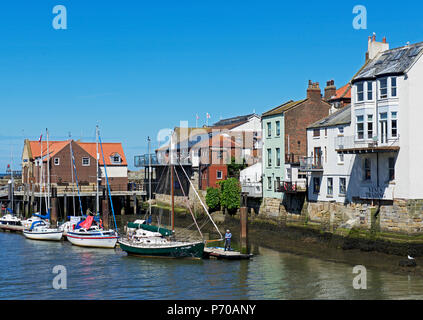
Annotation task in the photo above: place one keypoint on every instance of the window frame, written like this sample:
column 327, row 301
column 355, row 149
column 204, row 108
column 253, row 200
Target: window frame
column 361, row 123
column 344, row 185
column 330, row 187
column 394, row 120
column 367, row 169
column 369, row 90
column 383, row 89
column 269, row 157
column 278, row 128
column 360, row 92
column 217, row 174
column 316, row 186
column 394, row 87
column 278, row 157
column 269, row 129
column 86, row 164
column 56, row 161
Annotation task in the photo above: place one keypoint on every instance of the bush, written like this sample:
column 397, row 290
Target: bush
column 213, row 199
column 230, row 195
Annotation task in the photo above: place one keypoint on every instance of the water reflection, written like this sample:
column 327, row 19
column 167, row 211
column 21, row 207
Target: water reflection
column 111, row 274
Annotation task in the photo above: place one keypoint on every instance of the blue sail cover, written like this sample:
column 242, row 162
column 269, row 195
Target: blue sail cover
column 34, row 224
column 47, row 216
column 10, row 210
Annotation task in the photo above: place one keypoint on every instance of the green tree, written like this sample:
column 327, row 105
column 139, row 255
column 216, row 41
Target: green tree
column 213, row 198
column 230, row 195
column 235, row 168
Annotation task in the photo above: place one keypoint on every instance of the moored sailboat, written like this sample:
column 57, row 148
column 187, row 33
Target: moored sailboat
column 88, row 234
column 39, row 230
column 163, row 242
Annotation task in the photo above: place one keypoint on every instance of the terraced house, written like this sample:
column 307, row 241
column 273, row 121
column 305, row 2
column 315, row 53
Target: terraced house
column 284, row 144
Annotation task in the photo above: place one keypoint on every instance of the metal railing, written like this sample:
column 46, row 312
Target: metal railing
column 292, row 186
column 253, row 189
column 311, row 163
column 351, row 142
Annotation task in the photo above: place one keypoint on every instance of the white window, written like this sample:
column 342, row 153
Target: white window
column 269, row 129
column 219, row 175
column 360, row 92
column 369, row 126
column 394, row 123
column 360, row 127
column 369, row 91
column 330, row 186
column 116, row 158
column 85, row 162
column 342, row 186
column 269, row 183
column 278, row 128
column 393, row 87
column 56, row 161
column 278, row 157
column 383, row 88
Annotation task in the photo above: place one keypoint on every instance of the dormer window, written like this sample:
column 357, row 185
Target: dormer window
column 116, row 158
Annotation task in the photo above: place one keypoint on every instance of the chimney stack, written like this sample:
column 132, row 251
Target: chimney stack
column 313, row 91
column 330, row 90
column 374, row 47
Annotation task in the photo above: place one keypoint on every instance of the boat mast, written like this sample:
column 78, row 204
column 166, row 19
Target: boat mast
column 41, row 163
column 149, row 175
column 98, row 156
column 73, row 182
column 12, row 191
column 48, row 175
column 171, row 184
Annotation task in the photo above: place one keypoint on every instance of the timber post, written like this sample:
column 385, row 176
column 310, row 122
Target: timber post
column 54, row 213
column 244, row 224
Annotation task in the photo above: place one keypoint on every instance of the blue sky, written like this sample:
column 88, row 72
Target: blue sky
column 136, row 67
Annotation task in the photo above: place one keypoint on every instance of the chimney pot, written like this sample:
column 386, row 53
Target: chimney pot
column 384, row 40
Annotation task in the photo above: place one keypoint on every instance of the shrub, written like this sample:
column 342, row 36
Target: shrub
column 230, row 195
column 213, row 199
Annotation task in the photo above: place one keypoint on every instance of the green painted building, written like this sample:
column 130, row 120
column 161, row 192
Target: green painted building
column 273, row 153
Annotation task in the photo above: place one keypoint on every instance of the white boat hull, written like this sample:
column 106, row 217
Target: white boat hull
column 92, row 241
column 48, row 235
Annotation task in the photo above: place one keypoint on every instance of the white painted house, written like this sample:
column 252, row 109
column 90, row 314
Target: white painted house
column 328, row 173
column 251, row 180
column 386, row 123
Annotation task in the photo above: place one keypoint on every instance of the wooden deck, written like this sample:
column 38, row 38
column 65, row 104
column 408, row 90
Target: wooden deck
column 6, row 227
column 220, row 253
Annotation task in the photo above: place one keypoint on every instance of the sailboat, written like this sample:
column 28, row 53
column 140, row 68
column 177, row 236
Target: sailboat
column 87, row 233
column 148, row 240
column 40, row 229
column 38, row 216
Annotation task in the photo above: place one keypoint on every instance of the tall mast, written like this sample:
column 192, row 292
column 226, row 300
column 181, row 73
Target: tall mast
column 97, row 156
column 149, row 175
column 48, row 175
column 41, row 163
column 171, row 183
column 11, row 178
column 73, row 181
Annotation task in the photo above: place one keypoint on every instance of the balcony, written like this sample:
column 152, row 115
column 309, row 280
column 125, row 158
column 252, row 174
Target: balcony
column 311, row 164
column 292, row 158
column 351, row 145
column 253, row 189
column 291, row 186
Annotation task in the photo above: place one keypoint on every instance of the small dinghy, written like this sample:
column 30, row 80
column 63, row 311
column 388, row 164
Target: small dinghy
column 39, row 230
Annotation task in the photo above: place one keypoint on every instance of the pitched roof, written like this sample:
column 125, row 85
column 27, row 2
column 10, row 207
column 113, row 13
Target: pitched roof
column 233, row 120
column 283, row 107
column 339, row 117
column 53, row 147
column 343, row 92
column 109, row 149
column 220, row 141
column 90, row 147
column 394, row 61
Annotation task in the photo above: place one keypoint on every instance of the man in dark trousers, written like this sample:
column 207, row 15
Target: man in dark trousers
column 228, row 236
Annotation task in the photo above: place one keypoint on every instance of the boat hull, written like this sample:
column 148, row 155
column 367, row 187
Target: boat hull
column 92, row 241
column 187, row 250
column 48, row 236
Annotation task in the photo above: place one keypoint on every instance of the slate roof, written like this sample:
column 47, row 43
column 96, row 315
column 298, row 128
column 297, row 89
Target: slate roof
column 394, row 61
column 233, row 120
column 282, row 108
column 339, row 117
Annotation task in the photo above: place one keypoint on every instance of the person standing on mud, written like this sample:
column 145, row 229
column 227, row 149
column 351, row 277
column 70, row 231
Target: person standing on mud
column 228, row 236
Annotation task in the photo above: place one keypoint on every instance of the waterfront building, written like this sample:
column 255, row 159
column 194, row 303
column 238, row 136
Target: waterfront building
column 60, row 164
column 328, row 173
column 285, row 143
column 386, row 122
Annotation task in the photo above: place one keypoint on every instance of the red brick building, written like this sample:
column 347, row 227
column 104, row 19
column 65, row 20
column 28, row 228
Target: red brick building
column 60, row 164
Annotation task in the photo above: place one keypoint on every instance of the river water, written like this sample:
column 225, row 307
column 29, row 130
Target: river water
column 27, row 273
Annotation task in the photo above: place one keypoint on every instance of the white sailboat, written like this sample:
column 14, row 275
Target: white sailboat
column 88, row 235
column 40, row 229
column 27, row 223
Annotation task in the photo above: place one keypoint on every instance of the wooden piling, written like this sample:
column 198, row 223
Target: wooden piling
column 244, row 225
column 54, row 211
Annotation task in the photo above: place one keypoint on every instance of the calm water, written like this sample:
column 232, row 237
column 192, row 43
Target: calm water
column 26, row 273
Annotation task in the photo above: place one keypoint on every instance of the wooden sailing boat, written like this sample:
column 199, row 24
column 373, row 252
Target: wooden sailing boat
column 154, row 241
